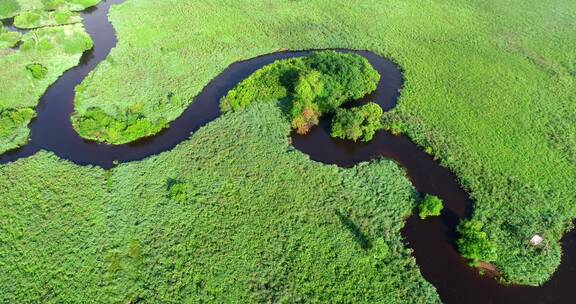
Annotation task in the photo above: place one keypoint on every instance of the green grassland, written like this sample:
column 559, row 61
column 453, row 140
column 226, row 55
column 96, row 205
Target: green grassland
column 26, row 73
column 11, row 8
column 35, row 19
column 8, row 39
column 233, row 215
column 489, row 86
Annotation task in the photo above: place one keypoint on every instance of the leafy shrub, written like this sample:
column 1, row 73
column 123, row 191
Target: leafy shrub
column 38, row 70
column 305, row 113
column 474, row 244
column 431, row 206
column 357, row 123
column 177, row 190
column 312, row 85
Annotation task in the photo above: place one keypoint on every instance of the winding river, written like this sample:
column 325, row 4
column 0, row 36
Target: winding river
column 433, row 240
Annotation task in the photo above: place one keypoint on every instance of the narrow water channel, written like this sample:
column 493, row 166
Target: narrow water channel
column 433, row 240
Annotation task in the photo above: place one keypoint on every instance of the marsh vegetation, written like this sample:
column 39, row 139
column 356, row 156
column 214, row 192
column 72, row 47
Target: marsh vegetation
column 263, row 223
column 43, row 55
column 490, row 92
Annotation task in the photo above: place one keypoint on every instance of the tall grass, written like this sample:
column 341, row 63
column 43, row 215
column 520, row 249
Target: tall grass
column 234, row 215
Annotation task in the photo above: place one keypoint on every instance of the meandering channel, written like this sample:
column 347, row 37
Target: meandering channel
column 433, row 241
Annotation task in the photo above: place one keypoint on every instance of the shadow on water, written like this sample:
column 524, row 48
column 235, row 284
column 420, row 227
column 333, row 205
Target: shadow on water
column 432, row 240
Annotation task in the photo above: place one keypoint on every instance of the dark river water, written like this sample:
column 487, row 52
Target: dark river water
column 432, row 240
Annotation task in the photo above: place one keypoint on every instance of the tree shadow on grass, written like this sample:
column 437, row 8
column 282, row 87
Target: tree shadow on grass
column 359, row 236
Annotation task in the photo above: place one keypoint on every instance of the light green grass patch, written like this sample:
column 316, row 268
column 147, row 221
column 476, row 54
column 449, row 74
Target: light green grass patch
column 42, row 57
column 35, row 19
column 11, row 8
column 8, row 38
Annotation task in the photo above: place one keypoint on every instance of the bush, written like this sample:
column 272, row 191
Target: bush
column 474, row 243
column 357, row 123
column 431, row 206
column 177, row 190
column 305, row 113
column 38, row 70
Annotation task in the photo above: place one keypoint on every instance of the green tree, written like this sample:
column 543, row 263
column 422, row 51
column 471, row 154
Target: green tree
column 357, row 123
column 430, row 206
column 305, row 113
column 308, row 86
column 474, row 243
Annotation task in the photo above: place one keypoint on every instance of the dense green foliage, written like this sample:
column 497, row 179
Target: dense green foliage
column 357, row 123
column 474, row 243
column 26, row 73
column 8, row 38
column 35, row 19
column 309, row 86
column 490, row 87
column 97, row 124
column 37, row 70
column 430, row 206
column 13, row 132
column 11, row 8
column 234, row 215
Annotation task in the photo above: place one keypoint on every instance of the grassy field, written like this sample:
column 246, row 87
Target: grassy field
column 234, row 215
column 490, row 86
column 8, row 39
column 11, row 8
column 42, row 57
column 36, row 19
